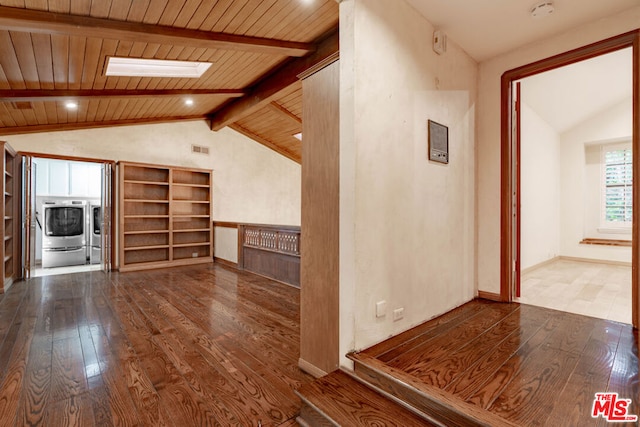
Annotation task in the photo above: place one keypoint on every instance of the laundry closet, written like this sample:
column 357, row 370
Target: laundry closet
column 68, row 214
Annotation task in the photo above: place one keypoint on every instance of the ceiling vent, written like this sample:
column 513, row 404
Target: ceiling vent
column 199, row 149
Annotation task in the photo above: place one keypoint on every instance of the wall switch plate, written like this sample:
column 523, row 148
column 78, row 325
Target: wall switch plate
column 398, row 313
column 381, row 308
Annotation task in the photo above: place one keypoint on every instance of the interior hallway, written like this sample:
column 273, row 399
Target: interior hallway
column 587, row 288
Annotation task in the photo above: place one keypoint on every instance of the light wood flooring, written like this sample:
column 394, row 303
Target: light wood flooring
column 587, row 288
column 189, row 346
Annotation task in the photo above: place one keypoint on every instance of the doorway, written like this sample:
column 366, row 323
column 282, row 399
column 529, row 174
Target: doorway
column 575, row 187
column 67, row 205
column 511, row 261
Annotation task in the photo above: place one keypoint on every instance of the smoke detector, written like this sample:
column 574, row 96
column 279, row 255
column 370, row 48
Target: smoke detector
column 541, row 9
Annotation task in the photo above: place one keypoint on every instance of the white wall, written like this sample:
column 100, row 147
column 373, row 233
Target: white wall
column 540, row 189
column 251, row 183
column 580, row 212
column 488, row 135
column 406, row 224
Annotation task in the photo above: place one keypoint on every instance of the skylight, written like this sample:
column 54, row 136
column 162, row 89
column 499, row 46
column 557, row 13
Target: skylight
column 137, row 67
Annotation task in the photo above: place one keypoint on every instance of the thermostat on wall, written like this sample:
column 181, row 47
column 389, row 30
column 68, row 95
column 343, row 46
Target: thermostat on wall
column 438, row 142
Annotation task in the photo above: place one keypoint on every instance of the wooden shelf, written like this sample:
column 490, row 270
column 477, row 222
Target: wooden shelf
column 188, row 245
column 147, row 201
column 146, row 216
column 132, row 233
column 180, row 184
column 191, row 230
column 143, row 248
column 8, row 209
column 155, row 202
column 129, row 181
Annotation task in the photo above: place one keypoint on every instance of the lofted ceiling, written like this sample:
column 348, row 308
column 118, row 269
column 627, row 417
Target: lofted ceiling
column 567, row 96
column 54, row 51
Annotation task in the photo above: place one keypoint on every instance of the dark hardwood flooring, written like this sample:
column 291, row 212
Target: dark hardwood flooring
column 529, row 365
column 203, row 345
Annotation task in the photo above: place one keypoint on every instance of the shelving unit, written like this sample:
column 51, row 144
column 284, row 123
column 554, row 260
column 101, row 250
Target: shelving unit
column 9, row 225
column 165, row 216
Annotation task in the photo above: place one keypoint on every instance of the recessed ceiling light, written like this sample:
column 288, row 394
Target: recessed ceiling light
column 71, row 105
column 298, row 135
column 137, row 67
column 188, row 101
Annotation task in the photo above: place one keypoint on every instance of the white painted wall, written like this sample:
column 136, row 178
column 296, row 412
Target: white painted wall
column 580, row 183
column 251, row 183
column 488, row 130
column 540, row 189
column 406, row 224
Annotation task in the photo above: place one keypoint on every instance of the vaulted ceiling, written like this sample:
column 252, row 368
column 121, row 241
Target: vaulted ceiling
column 54, row 51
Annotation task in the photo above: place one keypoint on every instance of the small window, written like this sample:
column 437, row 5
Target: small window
column 617, row 177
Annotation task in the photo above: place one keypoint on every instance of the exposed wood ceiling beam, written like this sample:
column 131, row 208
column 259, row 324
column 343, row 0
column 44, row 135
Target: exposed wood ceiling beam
column 268, row 88
column 56, row 95
column 265, row 142
column 34, row 21
column 92, row 125
column 284, row 112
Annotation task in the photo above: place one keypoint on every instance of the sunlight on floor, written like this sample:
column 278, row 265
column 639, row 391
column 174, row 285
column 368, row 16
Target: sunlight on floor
column 39, row 272
column 590, row 289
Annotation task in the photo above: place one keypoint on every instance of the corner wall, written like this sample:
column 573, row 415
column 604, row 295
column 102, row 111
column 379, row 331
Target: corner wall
column 406, row 224
column 488, row 136
column 540, row 189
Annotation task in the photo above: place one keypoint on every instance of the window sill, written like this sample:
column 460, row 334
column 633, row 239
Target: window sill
column 605, row 242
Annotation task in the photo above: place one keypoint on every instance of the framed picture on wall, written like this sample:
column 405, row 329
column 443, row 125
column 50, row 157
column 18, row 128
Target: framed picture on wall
column 438, row 136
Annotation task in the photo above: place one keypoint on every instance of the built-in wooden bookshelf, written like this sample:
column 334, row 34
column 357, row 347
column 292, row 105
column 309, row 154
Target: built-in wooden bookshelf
column 9, row 224
column 165, row 216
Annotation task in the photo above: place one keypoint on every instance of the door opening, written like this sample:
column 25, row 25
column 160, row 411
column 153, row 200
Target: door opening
column 67, row 205
column 511, row 257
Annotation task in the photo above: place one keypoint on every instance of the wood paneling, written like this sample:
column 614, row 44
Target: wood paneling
column 319, row 305
column 271, row 251
column 201, row 345
column 63, row 45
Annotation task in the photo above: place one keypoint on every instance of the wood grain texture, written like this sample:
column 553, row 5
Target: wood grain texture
column 525, row 365
column 203, row 345
column 349, row 403
column 319, row 304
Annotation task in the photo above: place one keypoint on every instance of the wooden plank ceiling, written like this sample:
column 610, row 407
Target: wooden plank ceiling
column 55, row 51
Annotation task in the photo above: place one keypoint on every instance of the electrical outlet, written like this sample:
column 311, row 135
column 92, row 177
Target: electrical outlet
column 398, row 313
column 381, row 308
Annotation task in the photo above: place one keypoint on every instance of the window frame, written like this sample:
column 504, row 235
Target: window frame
column 605, row 225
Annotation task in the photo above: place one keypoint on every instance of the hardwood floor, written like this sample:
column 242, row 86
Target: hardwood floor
column 529, row 365
column 187, row 346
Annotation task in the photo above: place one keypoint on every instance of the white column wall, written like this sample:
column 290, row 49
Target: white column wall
column 539, row 189
column 406, row 224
